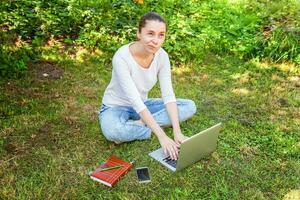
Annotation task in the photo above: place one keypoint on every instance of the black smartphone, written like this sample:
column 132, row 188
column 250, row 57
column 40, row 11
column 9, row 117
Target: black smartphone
column 143, row 174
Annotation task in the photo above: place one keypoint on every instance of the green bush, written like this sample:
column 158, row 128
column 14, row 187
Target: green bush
column 13, row 62
column 280, row 33
column 242, row 28
column 13, row 57
column 281, row 45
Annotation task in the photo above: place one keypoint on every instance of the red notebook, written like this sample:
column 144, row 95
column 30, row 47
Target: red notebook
column 110, row 177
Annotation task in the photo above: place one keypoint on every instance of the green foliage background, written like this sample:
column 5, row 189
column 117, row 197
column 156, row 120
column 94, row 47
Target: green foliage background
column 259, row 29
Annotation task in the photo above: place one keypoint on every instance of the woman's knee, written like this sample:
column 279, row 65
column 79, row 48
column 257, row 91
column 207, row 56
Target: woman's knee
column 107, row 131
column 187, row 108
column 191, row 106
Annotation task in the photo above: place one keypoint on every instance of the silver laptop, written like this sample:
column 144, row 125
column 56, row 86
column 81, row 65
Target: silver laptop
column 191, row 150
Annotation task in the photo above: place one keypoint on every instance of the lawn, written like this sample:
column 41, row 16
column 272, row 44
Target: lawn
column 50, row 135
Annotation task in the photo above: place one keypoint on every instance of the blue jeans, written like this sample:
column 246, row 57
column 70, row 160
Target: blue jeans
column 119, row 123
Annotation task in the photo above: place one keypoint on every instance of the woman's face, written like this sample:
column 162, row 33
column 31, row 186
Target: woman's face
column 152, row 35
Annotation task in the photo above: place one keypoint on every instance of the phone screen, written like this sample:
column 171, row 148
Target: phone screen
column 143, row 174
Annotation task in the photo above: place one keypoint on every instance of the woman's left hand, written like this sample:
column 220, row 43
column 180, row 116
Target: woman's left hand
column 179, row 138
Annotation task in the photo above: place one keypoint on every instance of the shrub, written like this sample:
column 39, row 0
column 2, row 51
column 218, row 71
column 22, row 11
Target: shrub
column 242, row 28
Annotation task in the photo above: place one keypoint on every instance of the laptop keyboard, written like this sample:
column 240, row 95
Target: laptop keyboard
column 171, row 162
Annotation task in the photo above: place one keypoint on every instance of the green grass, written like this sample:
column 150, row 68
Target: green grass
column 50, row 134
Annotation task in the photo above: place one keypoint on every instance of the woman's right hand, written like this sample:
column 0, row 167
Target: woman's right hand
column 169, row 146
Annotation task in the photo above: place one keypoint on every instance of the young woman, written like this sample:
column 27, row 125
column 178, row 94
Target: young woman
column 126, row 113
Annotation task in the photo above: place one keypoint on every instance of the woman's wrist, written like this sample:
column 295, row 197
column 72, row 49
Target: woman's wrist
column 177, row 131
column 160, row 134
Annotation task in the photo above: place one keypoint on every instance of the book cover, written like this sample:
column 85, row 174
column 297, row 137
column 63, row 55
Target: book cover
column 110, row 177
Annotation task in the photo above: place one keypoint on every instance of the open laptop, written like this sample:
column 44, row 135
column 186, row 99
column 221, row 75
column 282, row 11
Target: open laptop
column 191, row 150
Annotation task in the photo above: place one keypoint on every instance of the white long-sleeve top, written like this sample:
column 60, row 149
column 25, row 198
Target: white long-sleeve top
column 130, row 83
